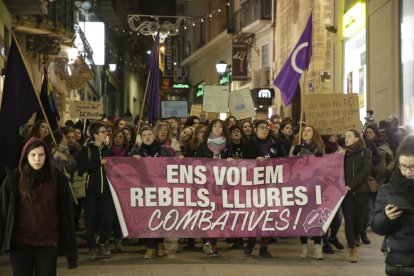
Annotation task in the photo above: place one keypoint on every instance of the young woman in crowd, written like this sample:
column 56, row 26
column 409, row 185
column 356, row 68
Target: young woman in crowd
column 197, row 139
column 184, row 139
column 231, row 121
column 109, row 134
column 285, row 135
column 36, row 218
column 162, row 134
column 80, row 137
column 309, row 142
column 119, row 124
column 62, row 158
column 151, row 147
column 99, row 214
column 216, row 145
column 393, row 214
column 358, row 166
column 248, row 129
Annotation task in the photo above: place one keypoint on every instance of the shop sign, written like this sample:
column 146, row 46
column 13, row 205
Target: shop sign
column 239, row 61
column 354, row 19
column 179, row 89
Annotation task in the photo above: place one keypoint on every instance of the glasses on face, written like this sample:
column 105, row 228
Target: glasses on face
column 263, row 127
column 404, row 167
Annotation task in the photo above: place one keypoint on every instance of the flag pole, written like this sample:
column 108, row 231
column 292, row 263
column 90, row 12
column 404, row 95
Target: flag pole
column 302, row 104
column 143, row 102
column 34, row 87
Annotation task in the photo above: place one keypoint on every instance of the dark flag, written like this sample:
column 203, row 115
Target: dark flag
column 288, row 78
column 154, row 83
column 18, row 104
column 48, row 103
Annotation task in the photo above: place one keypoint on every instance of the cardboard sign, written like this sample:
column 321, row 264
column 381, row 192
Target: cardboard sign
column 332, row 113
column 86, row 109
column 216, row 99
column 241, row 104
column 174, row 108
column 196, row 110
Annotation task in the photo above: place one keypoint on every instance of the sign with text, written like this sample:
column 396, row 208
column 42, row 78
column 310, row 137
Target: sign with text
column 86, row 109
column 178, row 109
column 332, row 113
column 203, row 197
column 216, row 98
column 241, row 104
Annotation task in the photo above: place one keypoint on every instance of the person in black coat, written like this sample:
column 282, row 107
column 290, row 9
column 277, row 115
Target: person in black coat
column 99, row 211
column 36, row 217
column 393, row 214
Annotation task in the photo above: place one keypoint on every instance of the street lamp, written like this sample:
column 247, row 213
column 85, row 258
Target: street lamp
column 221, row 67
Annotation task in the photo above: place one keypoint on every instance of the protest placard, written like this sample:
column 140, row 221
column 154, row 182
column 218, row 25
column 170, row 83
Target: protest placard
column 201, row 197
column 241, row 104
column 216, row 99
column 332, row 113
column 86, row 110
column 178, row 109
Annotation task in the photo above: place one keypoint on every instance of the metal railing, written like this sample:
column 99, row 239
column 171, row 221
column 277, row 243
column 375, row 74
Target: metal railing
column 251, row 11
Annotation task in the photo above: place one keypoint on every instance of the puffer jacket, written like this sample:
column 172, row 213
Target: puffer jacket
column 386, row 165
column 358, row 166
column 399, row 233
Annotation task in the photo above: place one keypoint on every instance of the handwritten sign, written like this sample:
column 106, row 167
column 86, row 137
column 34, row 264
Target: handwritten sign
column 332, row 113
column 174, row 108
column 216, row 99
column 86, row 109
column 241, row 104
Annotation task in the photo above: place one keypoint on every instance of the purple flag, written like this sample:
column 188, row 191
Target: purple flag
column 154, row 83
column 288, row 78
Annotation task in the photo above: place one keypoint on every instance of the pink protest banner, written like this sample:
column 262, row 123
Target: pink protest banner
column 199, row 197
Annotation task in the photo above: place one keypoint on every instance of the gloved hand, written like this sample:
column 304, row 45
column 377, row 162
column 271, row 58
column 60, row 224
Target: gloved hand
column 297, row 149
column 318, row 153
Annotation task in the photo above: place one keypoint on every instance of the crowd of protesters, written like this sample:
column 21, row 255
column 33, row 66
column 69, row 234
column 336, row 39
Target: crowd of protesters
column 368, row 153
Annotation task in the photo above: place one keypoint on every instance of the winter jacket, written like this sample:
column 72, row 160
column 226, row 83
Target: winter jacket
column 204, row 151
column 399, row 233
column 9, row 198
column 386, row 165
column 358, row 166
column 97, row 181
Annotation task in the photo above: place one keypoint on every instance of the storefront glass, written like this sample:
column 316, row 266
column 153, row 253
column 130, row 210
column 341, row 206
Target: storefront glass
column 407, row 61
column 354, row 79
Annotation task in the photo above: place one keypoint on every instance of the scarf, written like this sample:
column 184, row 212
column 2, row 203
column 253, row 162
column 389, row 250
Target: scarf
column 216, row 143
column 311, row 147
column 40, row 176
column 351, row 149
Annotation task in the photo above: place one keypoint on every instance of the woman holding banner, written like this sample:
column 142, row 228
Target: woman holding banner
column 358, row 166
column 150, row 147
column 309, row 142
column 216, row 145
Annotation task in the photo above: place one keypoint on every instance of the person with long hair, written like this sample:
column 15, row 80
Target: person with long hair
column 393, row 214
column 285, row 135
column 248, row 129
column 309, row 142
column 358, row 166
column 197, row 139
column 216, row 145
column 36, row 218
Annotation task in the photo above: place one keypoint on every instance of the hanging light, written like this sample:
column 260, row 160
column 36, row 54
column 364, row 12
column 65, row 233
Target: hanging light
column 221, row 67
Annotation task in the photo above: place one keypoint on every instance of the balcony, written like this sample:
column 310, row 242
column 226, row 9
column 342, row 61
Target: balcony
column 43, row 18
column 253, row 16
